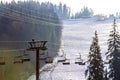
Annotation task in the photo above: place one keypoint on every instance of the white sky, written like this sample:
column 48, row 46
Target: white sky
column 99, row 6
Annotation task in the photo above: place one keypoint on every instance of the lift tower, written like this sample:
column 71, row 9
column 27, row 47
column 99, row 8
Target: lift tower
column 37, row 46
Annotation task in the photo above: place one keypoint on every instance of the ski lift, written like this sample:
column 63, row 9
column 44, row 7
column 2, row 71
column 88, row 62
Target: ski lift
column 62, row 58
column 42, row 56
column 48, row 59
column 25, row 57
column 18, row 60
column 2, row 61
column 79, row 60
column 66, row 62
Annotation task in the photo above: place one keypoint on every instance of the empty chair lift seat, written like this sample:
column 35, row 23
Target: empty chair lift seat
column 42, row 57
column 61, row 59
column 66, row 62
column 17, row 60
column 2, row 61
column 79, row 61
column 25, row 59
column 49, row 60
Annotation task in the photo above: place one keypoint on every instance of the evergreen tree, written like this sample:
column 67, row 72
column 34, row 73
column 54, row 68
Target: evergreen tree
column 60, row 11
column 106, row 75
column 95, row 66
column 84, row 13
column 113, row 54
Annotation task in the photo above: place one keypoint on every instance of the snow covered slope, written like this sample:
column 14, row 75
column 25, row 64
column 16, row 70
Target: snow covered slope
column 76, row 38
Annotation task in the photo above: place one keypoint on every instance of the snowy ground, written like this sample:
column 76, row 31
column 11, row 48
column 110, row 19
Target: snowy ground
column 77, row 37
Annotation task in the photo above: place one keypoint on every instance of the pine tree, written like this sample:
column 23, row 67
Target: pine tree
column 95, row 66
column 106, row 75
column 113, row 54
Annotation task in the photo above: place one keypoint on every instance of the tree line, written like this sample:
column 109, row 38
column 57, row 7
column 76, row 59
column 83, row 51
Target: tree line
column 96, row 69
column 85, row 12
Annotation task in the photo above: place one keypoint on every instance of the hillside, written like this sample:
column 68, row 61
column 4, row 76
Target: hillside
column 76, row 38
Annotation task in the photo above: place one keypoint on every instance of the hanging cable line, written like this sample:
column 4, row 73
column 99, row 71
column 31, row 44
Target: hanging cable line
column 33, row 11
column 25, row 42
column 12, row 50
column 27, row 20
column 30, row 16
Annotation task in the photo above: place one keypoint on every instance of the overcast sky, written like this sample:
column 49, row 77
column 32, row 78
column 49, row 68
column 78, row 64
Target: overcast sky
column 98, row 6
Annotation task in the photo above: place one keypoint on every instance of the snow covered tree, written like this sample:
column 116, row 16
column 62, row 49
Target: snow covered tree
column 95, row 66
column 106, row 75
column 113, row 54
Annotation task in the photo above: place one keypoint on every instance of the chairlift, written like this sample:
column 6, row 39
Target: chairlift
column 63, row 54
column 49, row 60
column 62, row 58
column 79, row 60
column 25, row 57
column 17, row 60
column 66, row 62
column 2, row 61
column 43, row 57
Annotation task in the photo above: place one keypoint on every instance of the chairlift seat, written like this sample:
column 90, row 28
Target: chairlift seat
column 49, row 60
column 17, row 60
column 2, row 61
column 83, row 63
column 79, row 61
column 42, row 58
column 61, row 59
column 25, row 59
column 66, row 62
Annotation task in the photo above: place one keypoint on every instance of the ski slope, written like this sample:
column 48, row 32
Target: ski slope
column 76, row 38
